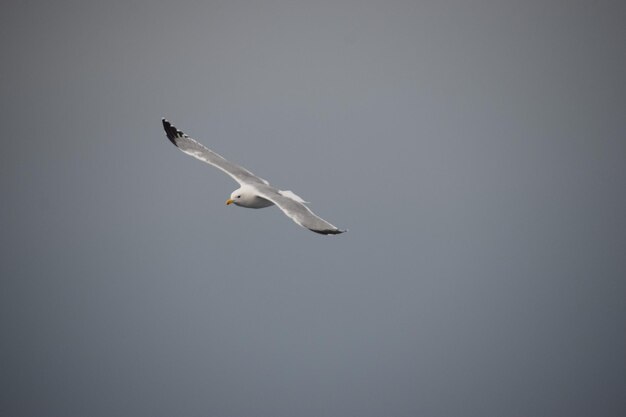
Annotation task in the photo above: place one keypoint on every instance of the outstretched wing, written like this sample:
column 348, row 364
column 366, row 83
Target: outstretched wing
column 201, row 152
column 297, row 211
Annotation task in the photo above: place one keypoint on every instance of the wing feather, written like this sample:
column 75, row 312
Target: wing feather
column 201, row 152
column 298, row 212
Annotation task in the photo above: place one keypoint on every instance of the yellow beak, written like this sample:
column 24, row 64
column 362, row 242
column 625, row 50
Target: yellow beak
column 229, row 202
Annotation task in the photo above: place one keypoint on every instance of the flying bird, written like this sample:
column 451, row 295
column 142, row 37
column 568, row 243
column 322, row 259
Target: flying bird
column 254, row 192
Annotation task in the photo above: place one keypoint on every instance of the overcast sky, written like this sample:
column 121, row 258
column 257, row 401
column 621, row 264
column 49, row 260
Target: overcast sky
column 476, row 151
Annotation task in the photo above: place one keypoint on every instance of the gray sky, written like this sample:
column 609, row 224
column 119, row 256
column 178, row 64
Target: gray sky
column 476, row 150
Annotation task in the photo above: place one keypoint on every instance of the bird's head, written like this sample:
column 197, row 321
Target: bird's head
column 239, row 197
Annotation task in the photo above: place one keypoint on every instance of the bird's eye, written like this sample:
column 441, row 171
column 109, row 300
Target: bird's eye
column 238, row 196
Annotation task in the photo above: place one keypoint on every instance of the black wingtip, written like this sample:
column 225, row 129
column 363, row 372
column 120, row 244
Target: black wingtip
column 329, row 231
column 171, row 132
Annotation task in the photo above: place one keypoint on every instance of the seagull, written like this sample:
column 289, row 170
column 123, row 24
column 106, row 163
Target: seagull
column 254, row 192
